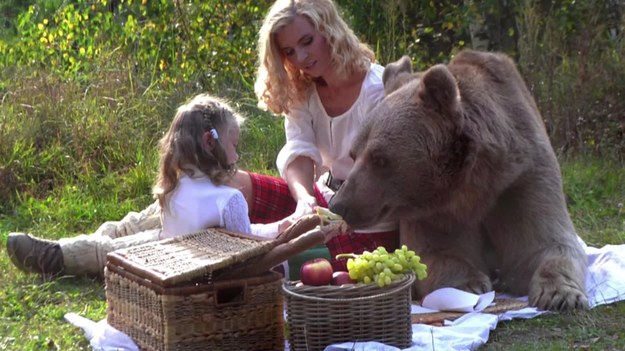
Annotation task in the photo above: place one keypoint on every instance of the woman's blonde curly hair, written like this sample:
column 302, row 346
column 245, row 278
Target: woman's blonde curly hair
column 278, row 85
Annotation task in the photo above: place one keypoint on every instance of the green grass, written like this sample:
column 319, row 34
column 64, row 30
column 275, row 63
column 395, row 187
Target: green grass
column 595, row 191
column 596, row 329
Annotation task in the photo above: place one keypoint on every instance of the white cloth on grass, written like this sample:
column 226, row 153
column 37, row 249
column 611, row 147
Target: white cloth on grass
column 102, row 337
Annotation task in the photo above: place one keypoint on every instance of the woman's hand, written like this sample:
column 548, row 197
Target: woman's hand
column 300, row 177
column 306, row 205
column 285, row 224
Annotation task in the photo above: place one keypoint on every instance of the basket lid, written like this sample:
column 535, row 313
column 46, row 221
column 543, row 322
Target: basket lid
column 181, row 259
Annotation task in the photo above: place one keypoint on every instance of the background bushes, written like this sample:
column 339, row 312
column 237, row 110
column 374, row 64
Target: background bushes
column 88, row 87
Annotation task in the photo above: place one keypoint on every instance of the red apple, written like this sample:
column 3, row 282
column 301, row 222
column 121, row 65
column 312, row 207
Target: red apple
column 341, row 277
column 316, row 272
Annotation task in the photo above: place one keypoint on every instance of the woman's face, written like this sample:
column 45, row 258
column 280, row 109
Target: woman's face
column 304, row 47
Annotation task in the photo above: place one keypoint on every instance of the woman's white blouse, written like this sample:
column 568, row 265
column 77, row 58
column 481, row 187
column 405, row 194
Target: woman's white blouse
column 326, row 140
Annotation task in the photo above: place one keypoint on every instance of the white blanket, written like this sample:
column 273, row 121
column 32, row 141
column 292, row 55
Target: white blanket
column 606, row 267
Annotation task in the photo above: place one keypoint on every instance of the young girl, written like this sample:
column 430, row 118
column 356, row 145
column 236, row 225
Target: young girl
column 197, row 156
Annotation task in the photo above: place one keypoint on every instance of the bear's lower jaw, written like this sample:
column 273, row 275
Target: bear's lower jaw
column 357, row 220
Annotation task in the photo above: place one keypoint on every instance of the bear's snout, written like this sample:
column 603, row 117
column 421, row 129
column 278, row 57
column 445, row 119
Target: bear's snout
column 337, row 207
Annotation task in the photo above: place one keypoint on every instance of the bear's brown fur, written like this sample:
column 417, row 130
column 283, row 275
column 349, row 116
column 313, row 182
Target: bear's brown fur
column 459, row 155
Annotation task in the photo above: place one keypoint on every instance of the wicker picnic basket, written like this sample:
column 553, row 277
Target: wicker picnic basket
column 318, row 316
column 165, row 295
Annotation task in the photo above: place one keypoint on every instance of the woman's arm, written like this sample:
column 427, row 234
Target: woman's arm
column 300, row 176
column 300, row 143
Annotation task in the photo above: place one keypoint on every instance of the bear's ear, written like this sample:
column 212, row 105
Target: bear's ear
column 396, row 74
column 438, row 90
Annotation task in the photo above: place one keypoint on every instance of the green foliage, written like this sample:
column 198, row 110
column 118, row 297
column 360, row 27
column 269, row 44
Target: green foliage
column 576, row 71
column 428, row 31
column 570, row 52
column 157, row 42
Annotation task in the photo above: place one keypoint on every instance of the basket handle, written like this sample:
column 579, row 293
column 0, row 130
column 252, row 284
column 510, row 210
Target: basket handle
column 277, row 255
column 230, row 293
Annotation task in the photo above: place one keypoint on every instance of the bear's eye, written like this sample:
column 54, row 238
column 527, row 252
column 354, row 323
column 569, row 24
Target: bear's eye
column 379, row 161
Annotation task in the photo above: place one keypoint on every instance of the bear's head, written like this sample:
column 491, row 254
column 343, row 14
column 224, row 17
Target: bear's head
column 411, row 153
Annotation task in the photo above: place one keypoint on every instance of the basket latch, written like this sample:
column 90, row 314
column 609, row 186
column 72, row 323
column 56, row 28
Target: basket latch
column 230, row 293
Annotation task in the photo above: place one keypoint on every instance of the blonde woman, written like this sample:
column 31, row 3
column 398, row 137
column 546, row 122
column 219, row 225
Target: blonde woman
column 313, row 70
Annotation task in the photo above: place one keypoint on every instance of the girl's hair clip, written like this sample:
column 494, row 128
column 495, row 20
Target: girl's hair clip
column 214, row 133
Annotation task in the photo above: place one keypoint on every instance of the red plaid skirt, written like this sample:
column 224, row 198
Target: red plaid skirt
column 273, row 202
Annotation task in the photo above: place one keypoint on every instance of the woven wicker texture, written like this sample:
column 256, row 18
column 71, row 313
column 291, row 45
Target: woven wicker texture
column 321, row 315
column 244, row 314
column 177, row 260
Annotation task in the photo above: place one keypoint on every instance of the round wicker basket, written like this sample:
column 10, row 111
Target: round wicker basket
column 318, row 316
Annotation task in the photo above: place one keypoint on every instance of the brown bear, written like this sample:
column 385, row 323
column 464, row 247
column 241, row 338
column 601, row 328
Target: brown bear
column 459, row 155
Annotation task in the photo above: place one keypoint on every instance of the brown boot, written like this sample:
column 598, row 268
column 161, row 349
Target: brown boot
column 35, row 255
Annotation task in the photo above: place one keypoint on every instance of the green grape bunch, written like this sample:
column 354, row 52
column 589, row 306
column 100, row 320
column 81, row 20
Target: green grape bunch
column 383, row 268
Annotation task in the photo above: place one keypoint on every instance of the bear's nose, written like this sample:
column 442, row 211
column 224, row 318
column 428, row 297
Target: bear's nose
column 337, row 208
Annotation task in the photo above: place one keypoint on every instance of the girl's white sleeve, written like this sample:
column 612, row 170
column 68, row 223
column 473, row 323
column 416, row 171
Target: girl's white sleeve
column 269, row 230
column 235, row 214
column 300, row 138
column 236, row 219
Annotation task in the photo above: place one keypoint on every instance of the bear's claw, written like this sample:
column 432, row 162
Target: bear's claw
column 558, row 298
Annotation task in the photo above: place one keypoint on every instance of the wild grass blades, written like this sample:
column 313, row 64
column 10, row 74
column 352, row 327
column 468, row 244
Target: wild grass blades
column 262, row 138
column 595, row 194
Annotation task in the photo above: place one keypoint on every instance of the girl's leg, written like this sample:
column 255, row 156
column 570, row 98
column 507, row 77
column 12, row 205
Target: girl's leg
column 85, row 255
column 132, row 223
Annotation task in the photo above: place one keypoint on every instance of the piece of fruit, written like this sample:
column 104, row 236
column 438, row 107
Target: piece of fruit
column 327, row 216
column 317, row 271
column 342, row 277
column 383, row 268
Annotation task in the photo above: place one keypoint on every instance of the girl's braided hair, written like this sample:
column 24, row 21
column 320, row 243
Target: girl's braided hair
column 183, row 150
